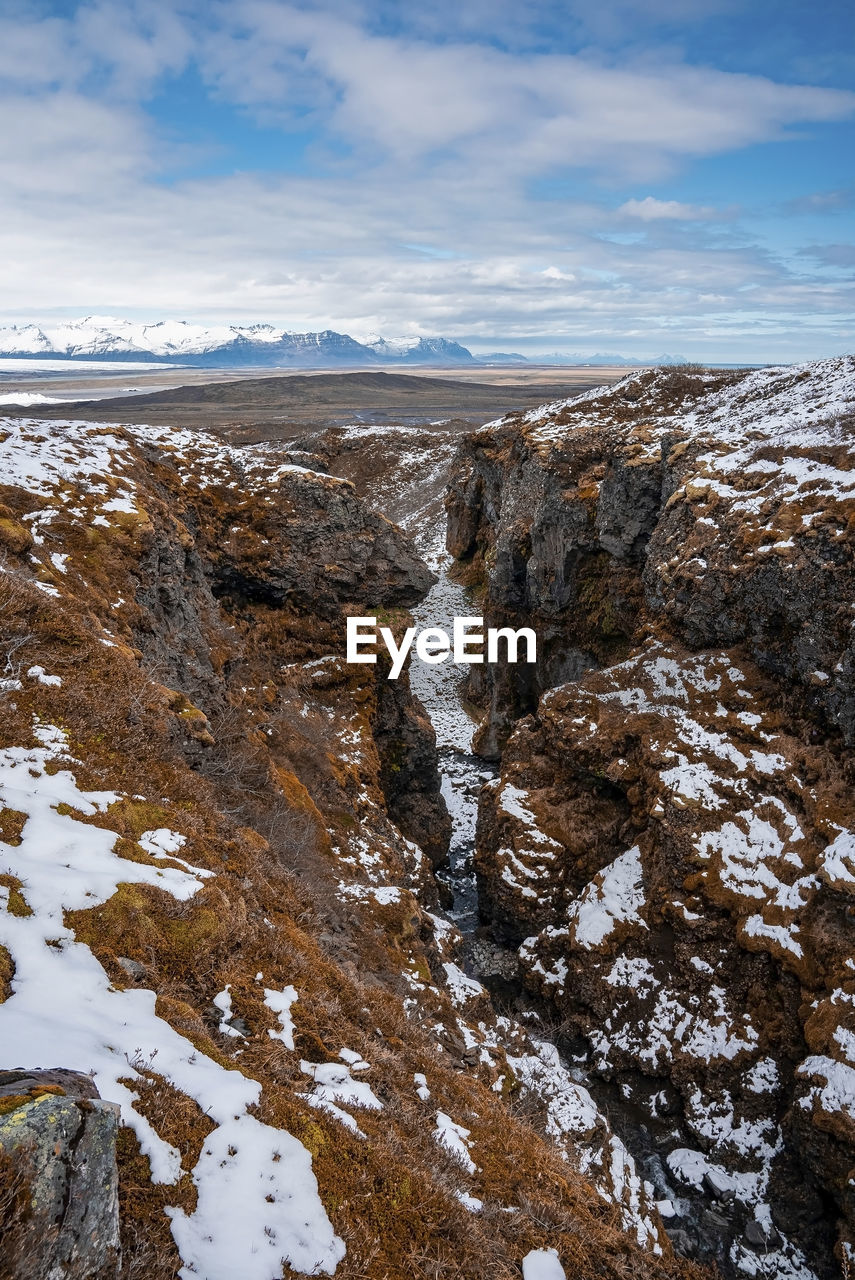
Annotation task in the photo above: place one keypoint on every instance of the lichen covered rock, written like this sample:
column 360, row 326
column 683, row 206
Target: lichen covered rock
column 58, row 1152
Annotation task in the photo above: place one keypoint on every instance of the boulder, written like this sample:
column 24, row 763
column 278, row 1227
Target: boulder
column 58, row 1178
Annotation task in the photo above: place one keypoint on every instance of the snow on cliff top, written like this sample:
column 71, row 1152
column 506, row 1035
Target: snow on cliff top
column 783, row 435
column 50, row 457
column 92, row 474
column 774, row 401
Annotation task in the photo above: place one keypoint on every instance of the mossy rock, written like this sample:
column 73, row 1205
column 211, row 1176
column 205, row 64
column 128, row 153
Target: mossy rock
column 62, row 1143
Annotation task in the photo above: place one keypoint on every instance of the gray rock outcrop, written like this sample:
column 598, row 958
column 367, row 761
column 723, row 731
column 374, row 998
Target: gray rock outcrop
column 58, row 1178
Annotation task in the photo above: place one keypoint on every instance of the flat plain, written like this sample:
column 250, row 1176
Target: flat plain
column 282, row 405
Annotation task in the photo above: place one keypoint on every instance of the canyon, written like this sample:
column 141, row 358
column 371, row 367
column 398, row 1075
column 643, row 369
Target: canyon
column 474, row 964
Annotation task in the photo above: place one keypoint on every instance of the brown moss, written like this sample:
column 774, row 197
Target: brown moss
column 39, row 1090
column 148, row 1249
column 14, row 537
column 175, row 1117
column 133, row 817
column 13, row 1101
column 473, row 573
column 16, row 904
column 132, row 852
column 20, row 1249
column 301, row 803
column 184, row 1019
column 148, row 924
column 124, row 925
column 7, row 973
column 12, row 823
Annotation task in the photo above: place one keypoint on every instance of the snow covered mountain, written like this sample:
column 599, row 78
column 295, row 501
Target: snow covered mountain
column 179, row 342
column 420, row 350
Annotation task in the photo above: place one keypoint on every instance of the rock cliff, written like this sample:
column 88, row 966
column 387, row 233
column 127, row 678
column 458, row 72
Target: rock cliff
column 670, row 842
column 713, row 505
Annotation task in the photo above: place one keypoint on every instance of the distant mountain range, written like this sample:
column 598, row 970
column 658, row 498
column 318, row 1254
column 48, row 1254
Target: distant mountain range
column 252, row 346
column 603, row 358
column 258, row 345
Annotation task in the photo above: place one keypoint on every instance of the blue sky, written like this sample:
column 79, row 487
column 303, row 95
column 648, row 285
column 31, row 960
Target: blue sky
column 667, row 176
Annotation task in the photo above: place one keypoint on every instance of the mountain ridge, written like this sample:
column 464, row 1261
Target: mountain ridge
column 110, row 338
column 180, row 342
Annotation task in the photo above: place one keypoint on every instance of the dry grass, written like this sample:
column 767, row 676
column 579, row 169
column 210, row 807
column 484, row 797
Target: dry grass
column 148, row 1250
column 19, row 1246
column 18, row 604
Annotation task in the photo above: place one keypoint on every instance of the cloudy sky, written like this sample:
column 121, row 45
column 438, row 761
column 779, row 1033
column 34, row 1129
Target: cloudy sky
column 634, row 176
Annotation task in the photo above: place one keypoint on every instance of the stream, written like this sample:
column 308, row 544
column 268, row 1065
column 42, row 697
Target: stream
column 438, row 687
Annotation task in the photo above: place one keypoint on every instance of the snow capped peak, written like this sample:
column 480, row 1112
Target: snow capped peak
column 405, row 343
column 419, row 349
column 101, row 322
column 107, row 335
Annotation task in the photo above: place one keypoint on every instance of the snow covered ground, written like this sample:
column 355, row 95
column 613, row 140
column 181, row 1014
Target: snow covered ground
column 258, row 1204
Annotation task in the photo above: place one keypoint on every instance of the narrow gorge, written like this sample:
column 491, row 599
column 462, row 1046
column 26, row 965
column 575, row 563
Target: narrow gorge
column 453, row 971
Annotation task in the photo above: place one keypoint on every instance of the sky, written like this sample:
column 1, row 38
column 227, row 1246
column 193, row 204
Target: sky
column 631, row 176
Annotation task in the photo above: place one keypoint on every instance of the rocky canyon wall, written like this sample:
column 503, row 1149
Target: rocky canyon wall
column 670, row 843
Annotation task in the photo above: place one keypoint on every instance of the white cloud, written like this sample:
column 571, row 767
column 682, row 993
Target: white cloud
column 123, row 47
column 527, row 111
column 650, row 209
column 65, row 144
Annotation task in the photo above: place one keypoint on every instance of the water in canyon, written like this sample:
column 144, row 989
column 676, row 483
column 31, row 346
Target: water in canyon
column 439, row 688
